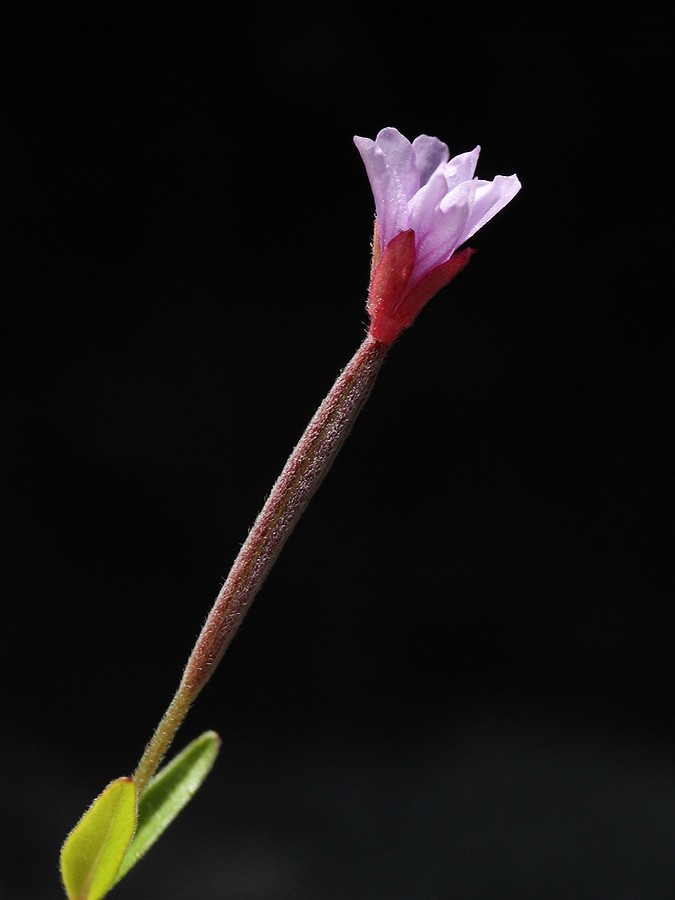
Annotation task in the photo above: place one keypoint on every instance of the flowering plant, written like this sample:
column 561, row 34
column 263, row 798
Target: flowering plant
column 427, row 205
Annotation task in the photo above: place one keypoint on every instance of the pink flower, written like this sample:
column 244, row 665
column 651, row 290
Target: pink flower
column 427, row 206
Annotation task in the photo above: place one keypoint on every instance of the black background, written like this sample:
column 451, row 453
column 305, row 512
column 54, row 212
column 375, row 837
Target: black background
column 458, row 680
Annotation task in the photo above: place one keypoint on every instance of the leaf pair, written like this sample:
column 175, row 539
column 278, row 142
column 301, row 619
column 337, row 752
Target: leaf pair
column 113, row 834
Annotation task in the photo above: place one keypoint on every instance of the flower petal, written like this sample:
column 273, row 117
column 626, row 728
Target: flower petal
column 376, row 169
column 461, row 167
column 446, row 231
column 430, row 153
column 400, row 158
column 423, row 206
column 390, row 164
column 490, row 197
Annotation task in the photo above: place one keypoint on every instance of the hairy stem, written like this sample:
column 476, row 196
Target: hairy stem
column 301, row 476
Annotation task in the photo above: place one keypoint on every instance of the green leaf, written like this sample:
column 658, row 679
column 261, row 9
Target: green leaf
column 95, row 848
column 167, row 794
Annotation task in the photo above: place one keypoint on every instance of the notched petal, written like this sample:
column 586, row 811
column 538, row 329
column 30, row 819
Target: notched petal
column 430, row 153
column 489, row 198
column 461, row 167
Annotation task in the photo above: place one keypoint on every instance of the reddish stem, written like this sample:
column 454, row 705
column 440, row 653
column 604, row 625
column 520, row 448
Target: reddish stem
column 303, row 473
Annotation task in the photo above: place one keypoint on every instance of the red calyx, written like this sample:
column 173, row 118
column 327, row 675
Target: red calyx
column 390, row 305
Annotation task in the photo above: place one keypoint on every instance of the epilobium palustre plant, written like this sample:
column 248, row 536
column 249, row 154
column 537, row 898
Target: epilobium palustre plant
column 426, row 207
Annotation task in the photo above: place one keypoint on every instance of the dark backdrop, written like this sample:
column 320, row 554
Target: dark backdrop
column 458, row 680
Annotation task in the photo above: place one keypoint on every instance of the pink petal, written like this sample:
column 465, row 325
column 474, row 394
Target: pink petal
column 461, row 168
column 400, row 159
column 490, row 197
column 422, row 208
column 430, row 153
column 392, row 172
column 446, row 230
column 376, row 169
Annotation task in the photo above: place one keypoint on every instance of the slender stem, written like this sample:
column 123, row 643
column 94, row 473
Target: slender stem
column 161, row 740
column 301, row 476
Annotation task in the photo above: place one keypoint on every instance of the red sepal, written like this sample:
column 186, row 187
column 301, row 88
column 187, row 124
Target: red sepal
column 432, row 282
column 392, row 309
column 390, row 276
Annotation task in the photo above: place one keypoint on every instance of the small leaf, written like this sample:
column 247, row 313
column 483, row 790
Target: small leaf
column 95, row 848
column 167, row 794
